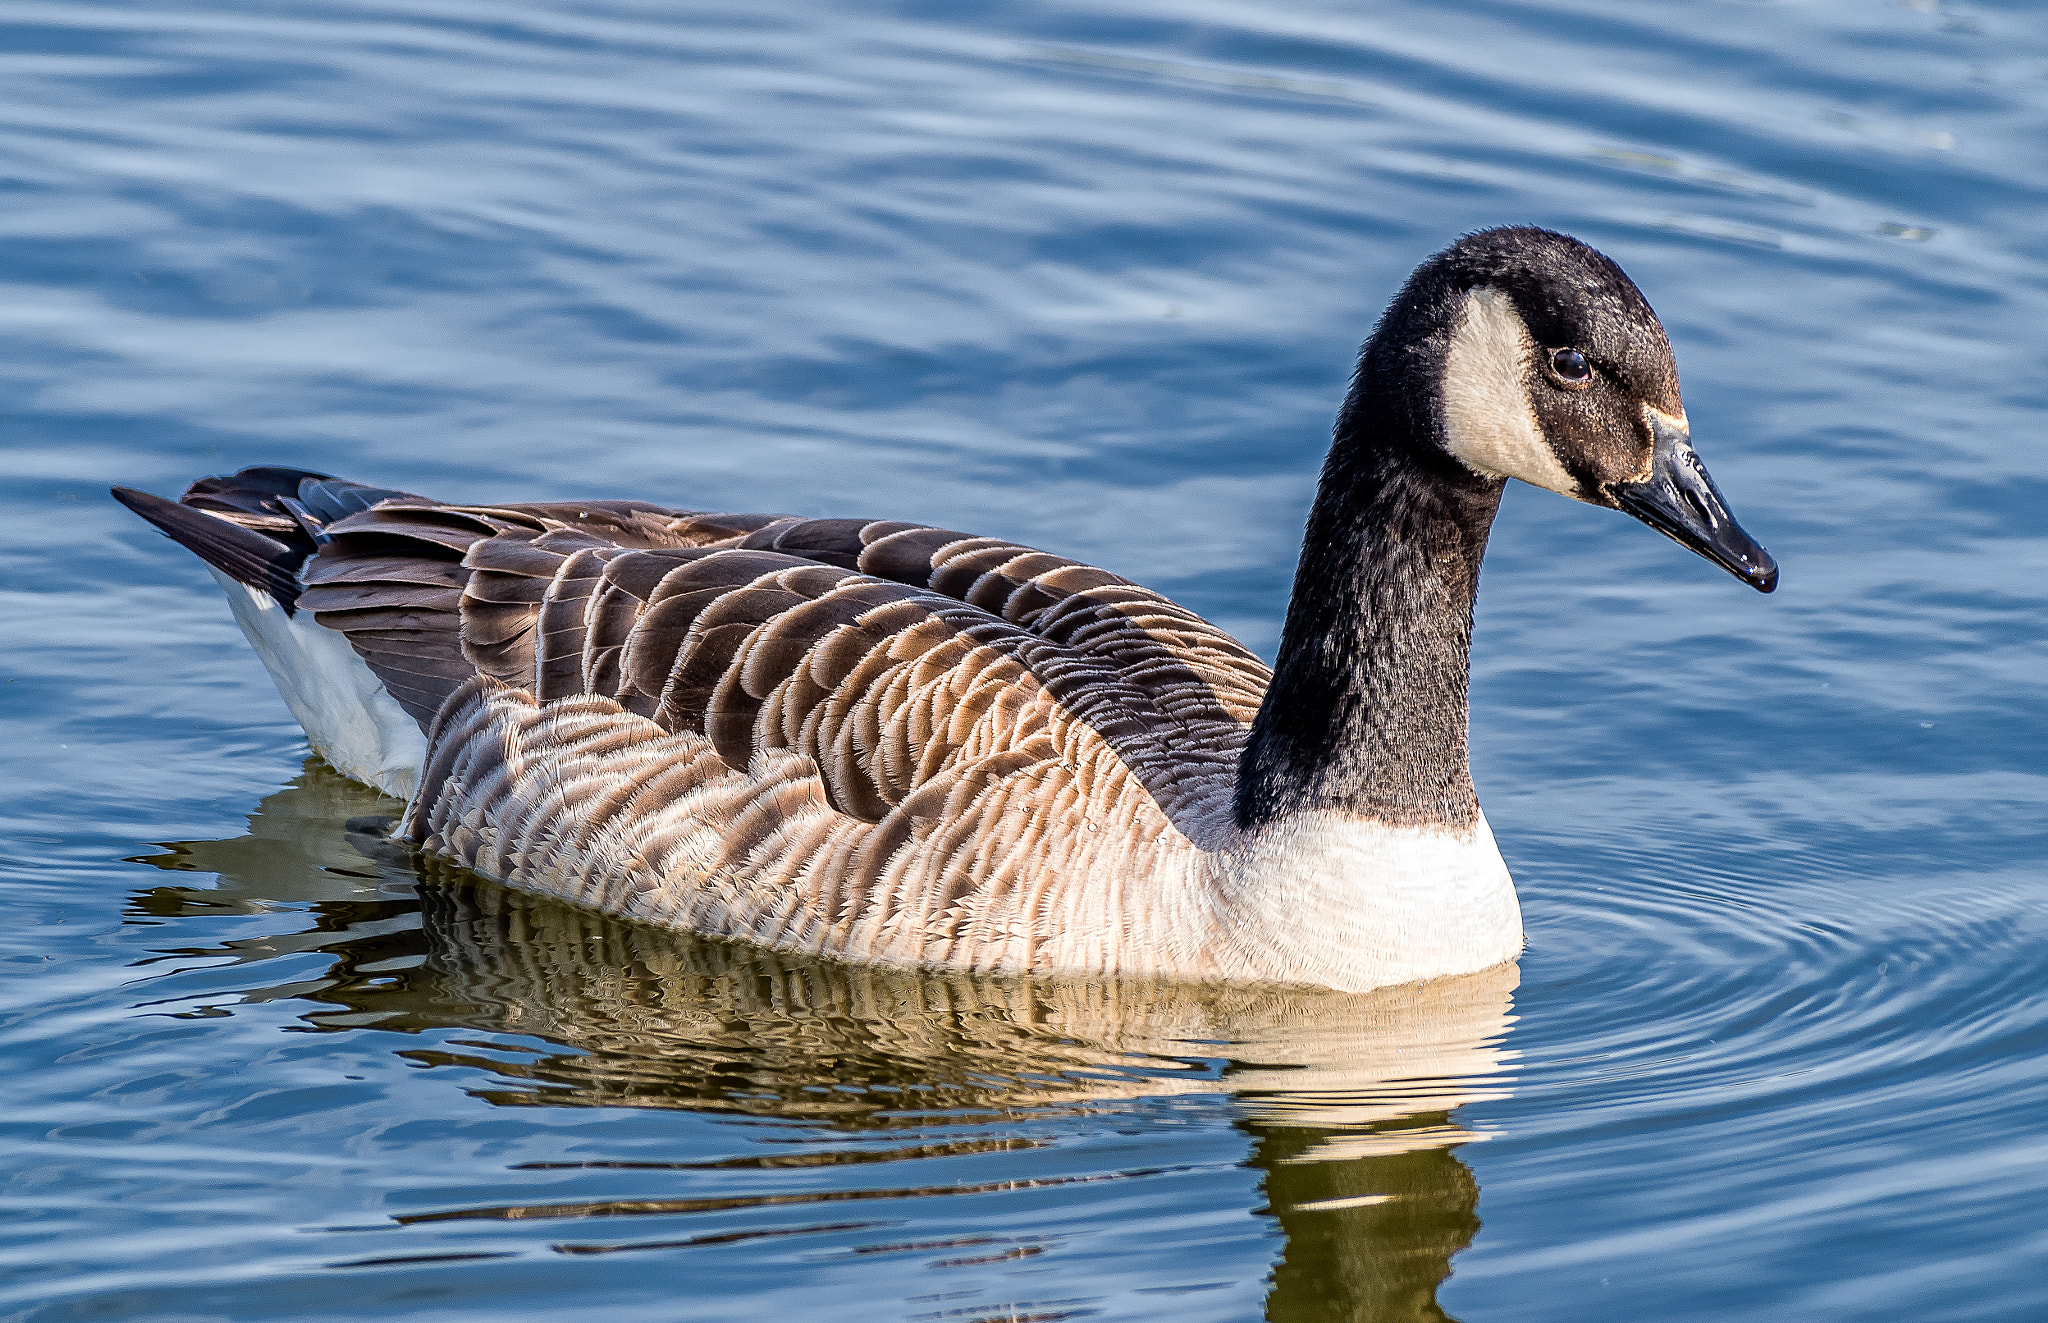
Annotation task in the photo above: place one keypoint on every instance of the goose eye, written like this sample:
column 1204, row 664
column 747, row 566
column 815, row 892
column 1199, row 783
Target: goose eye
column 1571, row 365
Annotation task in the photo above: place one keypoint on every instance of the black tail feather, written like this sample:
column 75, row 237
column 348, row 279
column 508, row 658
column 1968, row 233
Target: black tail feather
column 241, row 553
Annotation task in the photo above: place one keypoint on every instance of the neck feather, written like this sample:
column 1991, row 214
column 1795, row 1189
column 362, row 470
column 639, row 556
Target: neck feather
column 1367, row 709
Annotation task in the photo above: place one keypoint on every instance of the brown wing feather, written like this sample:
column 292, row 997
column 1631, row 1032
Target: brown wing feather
column 894, row 657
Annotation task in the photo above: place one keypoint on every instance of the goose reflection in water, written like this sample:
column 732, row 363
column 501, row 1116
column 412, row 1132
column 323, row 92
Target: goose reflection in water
column 1348, row 1099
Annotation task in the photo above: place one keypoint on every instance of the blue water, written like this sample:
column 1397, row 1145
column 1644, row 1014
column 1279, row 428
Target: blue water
column 1090, row 277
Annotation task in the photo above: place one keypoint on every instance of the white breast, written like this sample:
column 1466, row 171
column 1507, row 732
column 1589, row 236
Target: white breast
column 1332, row 898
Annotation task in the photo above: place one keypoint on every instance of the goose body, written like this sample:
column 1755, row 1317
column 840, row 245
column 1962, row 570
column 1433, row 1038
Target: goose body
column 883, row 741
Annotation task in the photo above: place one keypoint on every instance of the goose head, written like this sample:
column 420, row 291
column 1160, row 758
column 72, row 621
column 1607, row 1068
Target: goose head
column 1552, row 368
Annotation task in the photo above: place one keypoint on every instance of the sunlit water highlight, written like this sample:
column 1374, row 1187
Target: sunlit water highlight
column 1089, row 277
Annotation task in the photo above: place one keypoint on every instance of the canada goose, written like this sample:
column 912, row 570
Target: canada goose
column 881, row 741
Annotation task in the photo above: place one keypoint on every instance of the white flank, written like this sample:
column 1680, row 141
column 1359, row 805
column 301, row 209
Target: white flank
column 1488, row 421
column 1331, row 898
column 351, row 720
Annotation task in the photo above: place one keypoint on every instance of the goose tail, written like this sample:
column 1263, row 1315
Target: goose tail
column 255, row 559
column 255, row 530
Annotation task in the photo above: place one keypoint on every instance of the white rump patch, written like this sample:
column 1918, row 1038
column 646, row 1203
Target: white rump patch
column 1489, row 423
column 349, row 717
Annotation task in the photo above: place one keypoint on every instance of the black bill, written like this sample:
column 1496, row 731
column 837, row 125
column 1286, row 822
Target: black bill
column 1679, row 500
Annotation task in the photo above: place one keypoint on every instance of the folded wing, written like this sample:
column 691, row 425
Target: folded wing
column 894, row 656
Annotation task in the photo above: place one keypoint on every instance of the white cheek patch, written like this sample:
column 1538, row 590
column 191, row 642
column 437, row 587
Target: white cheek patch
column 1489, row 423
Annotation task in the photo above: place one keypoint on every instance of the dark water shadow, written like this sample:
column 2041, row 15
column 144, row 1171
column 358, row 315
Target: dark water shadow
column 1348, row 1101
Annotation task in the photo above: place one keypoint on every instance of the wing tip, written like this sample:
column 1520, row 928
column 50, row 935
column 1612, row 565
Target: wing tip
column 139, row 502
column 239, row 552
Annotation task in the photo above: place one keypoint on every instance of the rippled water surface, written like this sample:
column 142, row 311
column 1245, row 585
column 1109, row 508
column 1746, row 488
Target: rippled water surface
column 1090, row 277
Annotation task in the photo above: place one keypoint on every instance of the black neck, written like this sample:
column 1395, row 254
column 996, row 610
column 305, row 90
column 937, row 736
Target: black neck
column 1366, row 713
